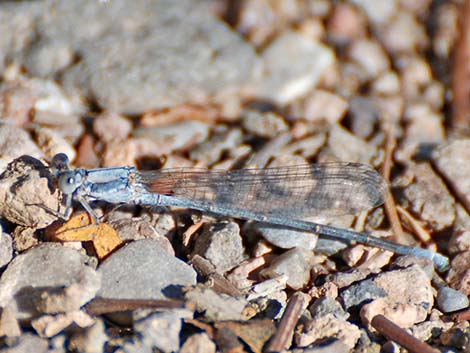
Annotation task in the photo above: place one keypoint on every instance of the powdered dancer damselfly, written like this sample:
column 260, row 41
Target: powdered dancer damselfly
column 280, row 195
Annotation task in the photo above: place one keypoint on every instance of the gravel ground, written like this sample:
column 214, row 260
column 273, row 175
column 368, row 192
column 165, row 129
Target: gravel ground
column 227, row 85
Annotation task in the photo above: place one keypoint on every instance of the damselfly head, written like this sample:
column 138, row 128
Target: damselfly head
column 69, row 181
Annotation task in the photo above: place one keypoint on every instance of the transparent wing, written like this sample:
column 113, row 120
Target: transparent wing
column 297, row 191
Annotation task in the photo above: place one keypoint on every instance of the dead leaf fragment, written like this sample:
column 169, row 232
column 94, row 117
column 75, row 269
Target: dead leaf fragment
column 81, row 228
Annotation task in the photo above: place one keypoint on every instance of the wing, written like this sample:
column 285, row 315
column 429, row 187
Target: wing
column 296, row 191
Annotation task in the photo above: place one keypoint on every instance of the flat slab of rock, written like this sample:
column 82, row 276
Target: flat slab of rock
column 143, row 270
column 127, row 62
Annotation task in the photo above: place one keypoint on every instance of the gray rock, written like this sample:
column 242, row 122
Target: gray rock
column 143, row 270
column 140, row 56
column 29, row 343
column 361, row 293
column 329, row 246
column 6, row 248
column 450, row 300
column 221, row 244
column 166, row 139
column 23, row 184
column 453, row 163
column 162, row 329
column 408, row 260
column 344, row 146
column 296, row 264
column 47, row 271
column 264, row 124
column 410, row 286
column 286, row 238
column 429, row 198
column 293, row 65
column 324, row 305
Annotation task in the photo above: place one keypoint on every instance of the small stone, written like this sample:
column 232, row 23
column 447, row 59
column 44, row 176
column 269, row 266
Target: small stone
column 325, row 106
column 165, row 140
column 415, row 74
column 329, row 246
column 426, row 265
column 409, row 297
column 262, row 124
column 404, row 34
column 198, row 342
column 402, row 314
column 424, row 127
column 346, row 23
column 429, row 198
column 142, row 269
column 39, row 272
column 453, row 163
column 364, row 113
column 366, row 257
column 293, row 65
column 327, row 289
column 388, row 83
column 51, row 325
column 414, row 286
column 370, row 56
column 267, row 288
column 346, row 147
column 296, row 264
column 327, row 327
column 360, row 293
column 324, row 306
column 111, row 126
column 450, row 300
column 285, row 238
column 89, row 340
column 115, row 154
column 162, row 329
column 137, row 228
column 218, row 307
column 221, row 244
column 458, row 276
column 24, row 238
column 459, row 241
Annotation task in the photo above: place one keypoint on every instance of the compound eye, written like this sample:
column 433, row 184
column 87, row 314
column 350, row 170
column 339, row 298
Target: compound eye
column 69, row 182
